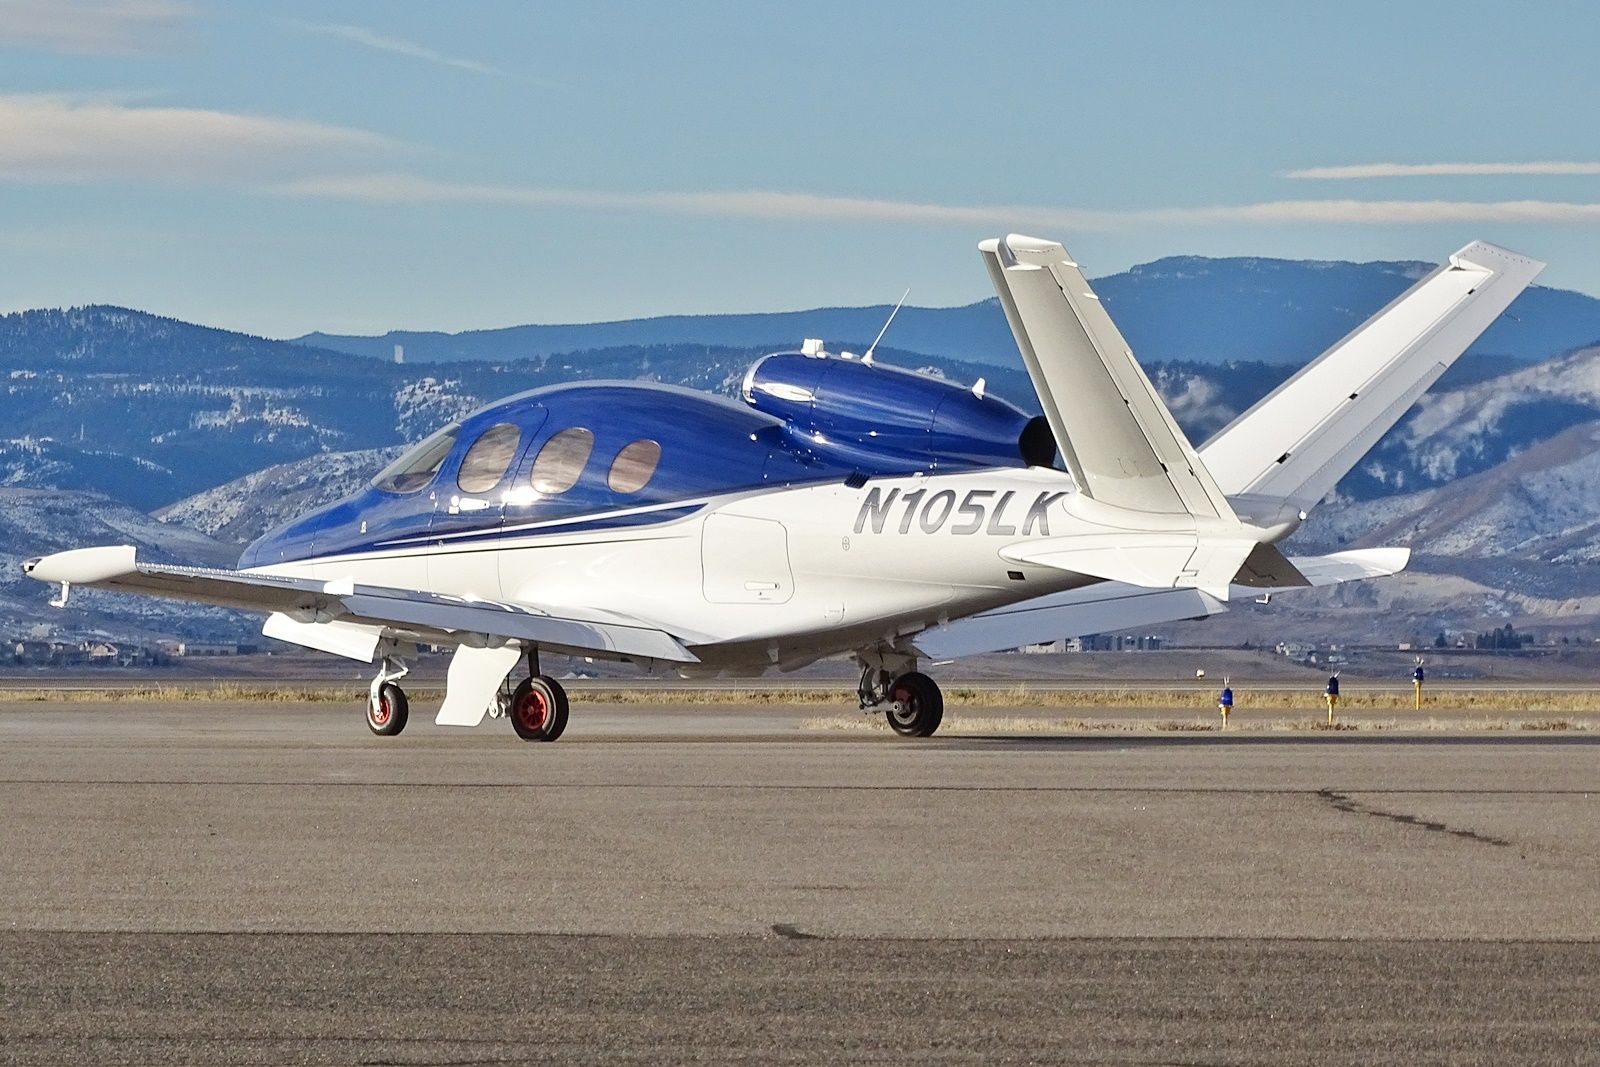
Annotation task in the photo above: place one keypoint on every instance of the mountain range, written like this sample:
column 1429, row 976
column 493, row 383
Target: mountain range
column 1179, row 309
column 188, row 440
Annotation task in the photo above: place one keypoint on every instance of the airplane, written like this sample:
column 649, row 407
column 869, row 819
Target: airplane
column 844, row 507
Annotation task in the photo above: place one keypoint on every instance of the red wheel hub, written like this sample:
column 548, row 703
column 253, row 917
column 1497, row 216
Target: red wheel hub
column 380, row 714
column 532, row 710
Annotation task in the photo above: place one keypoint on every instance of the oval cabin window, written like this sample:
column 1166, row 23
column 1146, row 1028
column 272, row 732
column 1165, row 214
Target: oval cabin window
column 562, row 460
column 634, row 465
column 486, row 461
column 417, row 467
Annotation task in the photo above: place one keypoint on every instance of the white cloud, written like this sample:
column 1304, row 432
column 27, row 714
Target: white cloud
column 95, row 27
column 761, row 204
column 758, row 204
column 396, row 46
column 1416, row 170
column 47, row 137
column 1379, row 212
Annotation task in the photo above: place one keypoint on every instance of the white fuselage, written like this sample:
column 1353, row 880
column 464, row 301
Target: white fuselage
column 777, row 577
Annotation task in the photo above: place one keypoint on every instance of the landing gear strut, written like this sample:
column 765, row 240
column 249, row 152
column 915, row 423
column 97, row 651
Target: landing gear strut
column 387, row 706
column 538, row 706
column 912, row 702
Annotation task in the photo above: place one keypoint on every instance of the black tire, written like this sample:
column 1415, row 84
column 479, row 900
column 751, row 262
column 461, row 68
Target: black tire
column 916, row 706
column 388, row 716
column 538, row 709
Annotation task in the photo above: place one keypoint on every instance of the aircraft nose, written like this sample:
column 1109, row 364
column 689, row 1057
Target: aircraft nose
column 255, row 553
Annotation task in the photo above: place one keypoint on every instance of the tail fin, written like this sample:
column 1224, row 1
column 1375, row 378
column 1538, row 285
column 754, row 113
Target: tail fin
column 1292, row 448
column 1120, row 443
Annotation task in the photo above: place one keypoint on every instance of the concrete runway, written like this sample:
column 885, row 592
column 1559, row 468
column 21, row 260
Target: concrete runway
column 269, row 883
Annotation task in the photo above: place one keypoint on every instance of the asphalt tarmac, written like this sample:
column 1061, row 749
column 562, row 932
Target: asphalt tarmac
column 262, row 883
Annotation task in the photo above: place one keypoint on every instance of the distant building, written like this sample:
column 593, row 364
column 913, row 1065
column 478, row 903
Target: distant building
column 208, row 648
column 100, row 653
column 399, row 353
column 30, row 651
column 1114, row 643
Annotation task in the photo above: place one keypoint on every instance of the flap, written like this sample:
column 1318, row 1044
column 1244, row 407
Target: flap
column 1268, row 568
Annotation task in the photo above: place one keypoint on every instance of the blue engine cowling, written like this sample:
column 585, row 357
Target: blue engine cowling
column 872, row 412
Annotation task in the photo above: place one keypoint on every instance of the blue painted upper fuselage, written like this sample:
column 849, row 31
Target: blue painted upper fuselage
column 597, row 454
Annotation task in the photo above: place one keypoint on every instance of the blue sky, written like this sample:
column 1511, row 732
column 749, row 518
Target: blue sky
column 357, row 167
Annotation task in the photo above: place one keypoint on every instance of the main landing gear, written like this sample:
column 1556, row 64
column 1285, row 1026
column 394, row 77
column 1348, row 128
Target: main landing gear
column 537, row 707
column 387, row 707
column 911, row 701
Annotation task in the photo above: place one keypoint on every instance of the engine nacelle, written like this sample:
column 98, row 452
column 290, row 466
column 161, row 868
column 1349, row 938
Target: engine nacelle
column 850, row 407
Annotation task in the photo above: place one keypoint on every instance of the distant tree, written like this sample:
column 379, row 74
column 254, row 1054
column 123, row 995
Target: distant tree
column 1439, row 642
column 1506, row 637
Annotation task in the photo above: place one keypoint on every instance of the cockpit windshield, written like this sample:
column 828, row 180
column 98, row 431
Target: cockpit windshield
column 417, row 467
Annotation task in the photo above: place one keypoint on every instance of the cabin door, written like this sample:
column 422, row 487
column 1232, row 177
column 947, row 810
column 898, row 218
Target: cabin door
column 469, row 512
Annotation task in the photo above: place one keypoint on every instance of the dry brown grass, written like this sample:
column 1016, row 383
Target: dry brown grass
column 1166, row 699
column 1246, row 701
column 222, row 692
column 1173, row 699
column 985, row 725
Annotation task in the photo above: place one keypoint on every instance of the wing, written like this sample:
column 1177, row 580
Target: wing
column 349, row 619
column 1112, row 606
column 1098, row 608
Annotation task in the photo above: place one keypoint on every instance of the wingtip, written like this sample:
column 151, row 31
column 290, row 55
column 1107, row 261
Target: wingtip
column 82, row 566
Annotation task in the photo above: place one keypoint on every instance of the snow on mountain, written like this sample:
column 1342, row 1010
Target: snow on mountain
column 241, row 510
column 34, row 522
column 1542, row 504
column 1491, row 479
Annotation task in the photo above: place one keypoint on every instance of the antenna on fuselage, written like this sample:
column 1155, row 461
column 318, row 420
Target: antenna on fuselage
column 874, row 345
